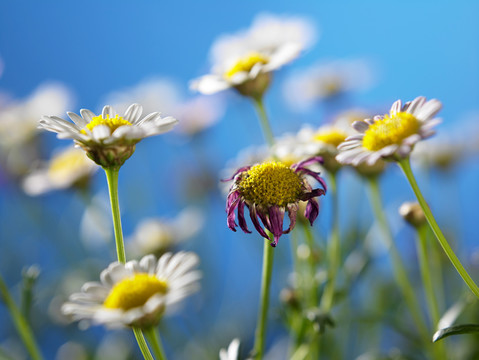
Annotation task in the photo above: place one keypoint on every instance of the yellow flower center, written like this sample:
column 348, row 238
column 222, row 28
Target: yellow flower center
column 271, row 183
column 331, row 136
column 390, row 130
column 67, row 162
column 245, row 64
column 113, row 123
column 134, row 291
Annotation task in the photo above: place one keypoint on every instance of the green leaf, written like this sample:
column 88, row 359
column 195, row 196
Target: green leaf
column 455, row 330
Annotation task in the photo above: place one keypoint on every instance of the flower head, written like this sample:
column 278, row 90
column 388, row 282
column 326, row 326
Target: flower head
column 244, row 60
column 393, row 135
column 135, row 293
column 269, row 190
column 69, row 167
column 108, row 139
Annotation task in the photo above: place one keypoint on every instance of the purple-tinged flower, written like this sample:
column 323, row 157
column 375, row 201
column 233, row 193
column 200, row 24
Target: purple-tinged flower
column 269, row 190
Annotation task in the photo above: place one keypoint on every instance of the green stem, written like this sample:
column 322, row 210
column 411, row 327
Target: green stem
column 140, row 339
column 313, row 294
column 426, row 275
column 20, row 323
column 334, row 248
column 112, row 179
column 405, row 165
column 428, row 287
column 260, row 334
column 398, row 266
column 155, row 342
column 264, row 122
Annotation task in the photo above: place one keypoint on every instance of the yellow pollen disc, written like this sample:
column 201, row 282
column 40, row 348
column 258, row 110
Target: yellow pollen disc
column 67, row 162
column 271, row 183
column 113, row 123
column 246, row 64
column 390, row 130
column 134, row 291
column 332, row 136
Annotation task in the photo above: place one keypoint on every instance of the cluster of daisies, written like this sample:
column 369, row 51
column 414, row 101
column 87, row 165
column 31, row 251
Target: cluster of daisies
column 138, row 293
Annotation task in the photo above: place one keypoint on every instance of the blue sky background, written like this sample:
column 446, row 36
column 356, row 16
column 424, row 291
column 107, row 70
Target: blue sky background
column 428, row 48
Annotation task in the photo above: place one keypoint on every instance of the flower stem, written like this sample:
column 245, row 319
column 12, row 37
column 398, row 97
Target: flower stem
column 112, row 179
column 260, row 334
column 398, row 266
column 405, row 165
column 428, row 286
column 334, row 249
column 264, row 122
column 20, row 322
column 140, row 339
column 155, row 342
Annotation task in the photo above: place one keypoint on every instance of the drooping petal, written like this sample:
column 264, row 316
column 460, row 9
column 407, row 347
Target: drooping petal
column 292, row 212
column 276, row 217
column 233, row 200
column 316, row 176
column 254, row 218
column 312, row 210
column 244, row 168
column 310, row 161
column 241, row 219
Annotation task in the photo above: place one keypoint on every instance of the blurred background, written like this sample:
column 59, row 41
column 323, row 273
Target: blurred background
column 58, row 56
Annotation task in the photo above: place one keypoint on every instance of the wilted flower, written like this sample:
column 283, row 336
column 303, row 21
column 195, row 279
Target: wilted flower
column 393, row 135
column 108, row 139
column 232, row 352
column 135, row 293
column 69, row 167
column 269, row 190
column 244, row 60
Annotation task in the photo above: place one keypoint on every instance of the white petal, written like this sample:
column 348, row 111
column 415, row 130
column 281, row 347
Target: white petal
column 101, row 132
column 209, row 84
column 133, row 113
column 87, row 114
column 108, row 112
column 77, row 119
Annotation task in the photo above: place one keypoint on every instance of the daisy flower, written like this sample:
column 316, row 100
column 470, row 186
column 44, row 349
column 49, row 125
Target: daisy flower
column 107, row 138
column 135, row 293
column 245, row 60
column 69, row 167
column 393, row 135
column 232, row 352
column 269, row 190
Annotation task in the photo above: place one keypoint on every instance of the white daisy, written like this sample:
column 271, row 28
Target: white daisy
column 135, row 293
column 393, row 135
column 69, row 167
column 244, row 60
column 108, row 139
column 232, row 352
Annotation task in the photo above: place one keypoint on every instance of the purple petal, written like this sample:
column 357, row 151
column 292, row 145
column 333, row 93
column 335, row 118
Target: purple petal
column 309, row 161
column 231, row 211
column 316, row 176
column 292, row 212
column 312, row 194
column 312, row 211
column 276, row 216
column 244, row 168
column 253, row 215
column 241, row 219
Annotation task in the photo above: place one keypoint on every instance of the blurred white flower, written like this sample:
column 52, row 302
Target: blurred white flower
column 68, row 167
column 19, row 125
column 324, row 81
column 245, row 59
column 194, row 114
column 232, row 352
column 156, row 235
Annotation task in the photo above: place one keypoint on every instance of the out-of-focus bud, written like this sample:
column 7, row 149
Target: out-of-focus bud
column 413, row 214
